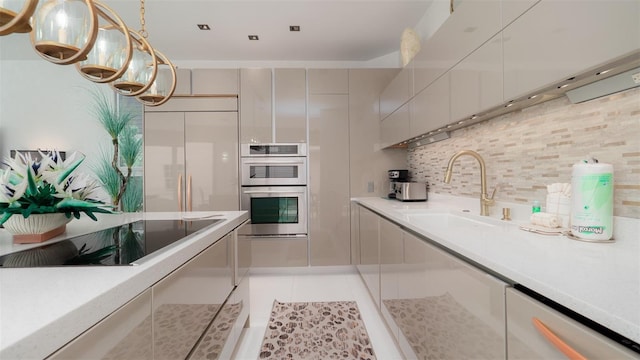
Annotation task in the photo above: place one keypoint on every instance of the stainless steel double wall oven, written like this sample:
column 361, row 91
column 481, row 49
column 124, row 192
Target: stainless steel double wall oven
column 274, row 188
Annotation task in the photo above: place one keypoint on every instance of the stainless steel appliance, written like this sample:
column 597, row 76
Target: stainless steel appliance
column 411, row 191
column 396, row 176
column 274, row 189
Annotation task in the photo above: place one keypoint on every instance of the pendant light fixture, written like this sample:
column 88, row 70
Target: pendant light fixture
column 143, row 67
column 15, row 14
column 112, row 50
column 163, row 86
column 64, row 31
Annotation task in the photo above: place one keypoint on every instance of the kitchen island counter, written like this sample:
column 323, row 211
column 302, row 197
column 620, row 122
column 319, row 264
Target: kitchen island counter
column 41, row 309
column 600, row 281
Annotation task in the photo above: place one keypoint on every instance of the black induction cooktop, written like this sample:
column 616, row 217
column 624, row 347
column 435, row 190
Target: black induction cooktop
column 119, row 245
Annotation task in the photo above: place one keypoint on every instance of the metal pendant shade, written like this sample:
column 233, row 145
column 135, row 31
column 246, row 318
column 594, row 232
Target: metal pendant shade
column 164, row 84
column 64, row 31
column 112, row 50
column 15, row 15
column 142, row 69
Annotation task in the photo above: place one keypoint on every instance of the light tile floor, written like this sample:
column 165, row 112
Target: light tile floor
column 311, row 284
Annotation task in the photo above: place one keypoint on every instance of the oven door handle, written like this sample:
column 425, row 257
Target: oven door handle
column 274, row 162
column 272, row 192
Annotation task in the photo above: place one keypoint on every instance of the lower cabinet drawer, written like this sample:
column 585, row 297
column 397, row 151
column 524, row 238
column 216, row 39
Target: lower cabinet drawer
column 278, row 251
column 535, row 331
column 125, row 334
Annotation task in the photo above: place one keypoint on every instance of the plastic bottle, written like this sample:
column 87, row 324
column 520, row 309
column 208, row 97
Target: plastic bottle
column 535, row 206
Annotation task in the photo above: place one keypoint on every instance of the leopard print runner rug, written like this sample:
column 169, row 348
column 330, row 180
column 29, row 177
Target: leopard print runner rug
column 316, row 330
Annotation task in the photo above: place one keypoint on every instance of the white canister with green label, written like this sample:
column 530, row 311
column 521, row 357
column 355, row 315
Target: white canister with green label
column 592, row 201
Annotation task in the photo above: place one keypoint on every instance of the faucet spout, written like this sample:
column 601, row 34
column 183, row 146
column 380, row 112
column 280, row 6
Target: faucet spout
column 485, row 200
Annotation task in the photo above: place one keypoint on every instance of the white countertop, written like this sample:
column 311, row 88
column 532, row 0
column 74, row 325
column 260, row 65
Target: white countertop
column 600, row 281
column 41, row 309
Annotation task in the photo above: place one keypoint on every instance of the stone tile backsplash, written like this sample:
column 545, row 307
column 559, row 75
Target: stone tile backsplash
column 528, row 149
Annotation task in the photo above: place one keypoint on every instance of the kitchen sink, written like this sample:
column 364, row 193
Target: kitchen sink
column 448, row 220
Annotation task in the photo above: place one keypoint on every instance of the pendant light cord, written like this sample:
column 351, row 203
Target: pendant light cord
column 143, row 32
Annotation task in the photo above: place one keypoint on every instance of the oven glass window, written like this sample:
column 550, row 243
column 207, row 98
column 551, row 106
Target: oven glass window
column 273, row 171
column 274, row 210
column 273, row 149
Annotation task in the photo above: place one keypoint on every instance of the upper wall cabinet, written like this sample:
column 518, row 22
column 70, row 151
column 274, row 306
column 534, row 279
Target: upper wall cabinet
column 183, row 82
column 471, row 24
column 430, row 108
column 558, row 38
column 329, row 81
column 395, row 128
column 398, row 92
column 476, row 82
column 512, row 9
column 255, row 106
column 290, row 105
column 214, row 81
column 273, row 105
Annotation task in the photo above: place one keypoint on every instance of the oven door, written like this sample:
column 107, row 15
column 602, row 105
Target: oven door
column 268, row 171
column 276, row 210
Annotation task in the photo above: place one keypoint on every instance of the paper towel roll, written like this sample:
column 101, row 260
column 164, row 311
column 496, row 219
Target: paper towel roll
column 546, row 220
column 592, row 201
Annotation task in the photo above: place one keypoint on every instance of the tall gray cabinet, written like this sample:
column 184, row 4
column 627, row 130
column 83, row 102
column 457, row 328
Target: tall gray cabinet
column 191, row 155
column 329, row 213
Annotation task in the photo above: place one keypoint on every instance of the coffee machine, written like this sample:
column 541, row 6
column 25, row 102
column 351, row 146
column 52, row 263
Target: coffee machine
column 396, row 177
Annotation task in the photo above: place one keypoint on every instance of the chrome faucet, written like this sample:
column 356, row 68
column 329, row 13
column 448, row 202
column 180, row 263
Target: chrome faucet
column 485, row 200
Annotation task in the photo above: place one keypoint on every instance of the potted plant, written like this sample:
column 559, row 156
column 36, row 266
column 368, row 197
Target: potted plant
column 44, row 194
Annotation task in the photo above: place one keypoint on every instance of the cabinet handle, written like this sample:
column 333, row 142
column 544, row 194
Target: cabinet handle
column 564, row 348
column 180, row 192
column 189, row 201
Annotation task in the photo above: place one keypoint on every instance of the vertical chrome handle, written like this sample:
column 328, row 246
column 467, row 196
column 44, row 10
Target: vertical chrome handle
column 189, row 200
column 180, row 192
column 564, row 348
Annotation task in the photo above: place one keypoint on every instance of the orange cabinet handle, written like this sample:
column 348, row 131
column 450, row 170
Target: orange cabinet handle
column 567, row 350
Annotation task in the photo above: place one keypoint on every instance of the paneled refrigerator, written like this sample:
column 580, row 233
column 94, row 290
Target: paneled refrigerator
column 191, row 161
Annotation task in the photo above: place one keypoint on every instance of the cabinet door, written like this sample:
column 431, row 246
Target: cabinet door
column 395, row 128
column 430, row 108
column 255, row 106
column 398, row 92
column 511, row 10
column 525, row 341
column 470, row 25
column 329, row 180
column 222, row 336
column 391, row 262
column 476, row 82
column 164, row 161
column 125, row 334
column 447, row 309
column 186, row 301
column 369, row 266
column 214, row 81
column 557, row 39
column 211, row 161
column 328, row 81
column 290, row 101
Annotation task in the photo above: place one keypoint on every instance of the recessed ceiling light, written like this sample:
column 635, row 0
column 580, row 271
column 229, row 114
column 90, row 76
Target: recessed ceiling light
column 508, row 105
column 253, row 37
column 204, row 27
column 563, row 86
column 602, row 72
column 294, row 28
column 532, row 97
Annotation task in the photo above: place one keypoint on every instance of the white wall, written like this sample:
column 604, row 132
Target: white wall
column 48, row 106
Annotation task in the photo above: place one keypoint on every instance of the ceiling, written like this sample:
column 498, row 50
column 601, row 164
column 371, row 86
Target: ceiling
column 338, row 30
